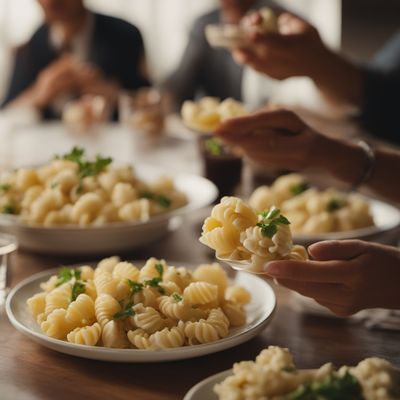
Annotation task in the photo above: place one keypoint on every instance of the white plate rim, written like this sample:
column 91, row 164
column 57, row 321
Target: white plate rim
column 218, row 377
column 105, row 354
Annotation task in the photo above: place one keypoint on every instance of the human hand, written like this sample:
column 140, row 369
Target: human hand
column 276, row 137
column 344, row 276
column 296, row 50
column 58, row 78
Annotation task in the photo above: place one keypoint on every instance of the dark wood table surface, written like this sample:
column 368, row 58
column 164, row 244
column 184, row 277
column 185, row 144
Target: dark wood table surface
column 29, row 371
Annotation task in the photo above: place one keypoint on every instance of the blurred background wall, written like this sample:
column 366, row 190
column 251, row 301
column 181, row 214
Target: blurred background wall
column 360, row 25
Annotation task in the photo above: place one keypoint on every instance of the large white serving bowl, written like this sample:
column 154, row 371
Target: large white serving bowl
column 386, row 229
column 114, row 237
column 259, row 314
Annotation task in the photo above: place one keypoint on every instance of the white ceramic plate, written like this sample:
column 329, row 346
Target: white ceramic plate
column 204, row 389
column 114, row 237
column 259, row 314
column 387, row 223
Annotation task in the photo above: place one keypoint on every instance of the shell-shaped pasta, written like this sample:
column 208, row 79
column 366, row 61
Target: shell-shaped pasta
column 200, row 293
column 50, row 284
column 81, row 311
column 86, row 208
column 126, row 270
column 214, row 274
column 235, row 313
column 149, row 269
column 105, row 308
column 222, row 230
column 148, row 319
column 148, row 297
column 59, row 297
column 56, row 325
column 58, row 217
column 140, row 339
column 122, row 194
column 114, row 336
column 263, row 198
column 87, row 272
column 65, row 180
column 137, row 210
column 108, row 180
column 284, row 185
column 107, row 265
column 181, row 276
column 48, row 200
column 216, row 326
column 170, row 288
column 90, row 289
column 177, row 310
column 319, row 223
column 37, row 303
column 105, row 283
column 31, row 195
column 87, row 335
column 26, row 178
column 168, row 338
column 237, row 295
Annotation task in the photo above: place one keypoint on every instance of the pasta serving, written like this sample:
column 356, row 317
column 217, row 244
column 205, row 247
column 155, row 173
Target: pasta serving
column 237, row 232
column 156, row 307
column 73, row 190
column 310, row 210
column 205, row 115
column 274, row 376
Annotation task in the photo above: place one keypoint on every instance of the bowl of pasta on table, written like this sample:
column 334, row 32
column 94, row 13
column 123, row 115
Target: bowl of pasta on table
column 77, row 205
column 273, row 375
column 142, row 311
column 317, row 214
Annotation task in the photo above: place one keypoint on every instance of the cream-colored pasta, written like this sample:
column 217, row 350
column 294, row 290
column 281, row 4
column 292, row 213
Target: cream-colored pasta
column 238, row 294
column 235, row 232
column 82, row 192
column 200, row 293
column 87, row 335
column 105, row 308
column 273, row 375
column 81, row 311
column 118, row 305
column 313, row 211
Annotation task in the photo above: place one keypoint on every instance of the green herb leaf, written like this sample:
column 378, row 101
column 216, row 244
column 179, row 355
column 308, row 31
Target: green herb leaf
column 64, row 275
column 162, row 200
column 335, row 204
column 331, row 388
column 155, row 282
column 270, row 221
column 135, row 287
column 299, row 188
column 177, row 297
column 288, row 369
column 9, row 208
column 214, row 146
column 126, row 312
column 160, row 269
column 54, row 185
column 5, row 187
column 75, row 155
column 77, row 289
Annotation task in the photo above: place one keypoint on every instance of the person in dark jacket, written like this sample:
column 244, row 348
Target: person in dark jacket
column 75, row 52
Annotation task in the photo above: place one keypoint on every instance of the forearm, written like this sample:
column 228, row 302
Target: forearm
column 28, row 98
column 338, row 78
column 348, row 162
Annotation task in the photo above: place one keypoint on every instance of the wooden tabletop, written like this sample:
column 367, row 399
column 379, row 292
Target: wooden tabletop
column 29, row 371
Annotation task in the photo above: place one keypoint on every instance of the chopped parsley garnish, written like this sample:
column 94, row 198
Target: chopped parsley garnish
column 126, row 312
column 66, row 274
column 288, row 369
column 135, row 287
column 214, row 146
column 5, row 187
column 86, row 168
column 344, row 387
column 9, row 208
column 299, row 188
column 177, row 297
column 160, row 269
column 54, row 185
column 77, row 289
column 335, row 204
column 270, row 221
column 155, row 283
column 162, row 200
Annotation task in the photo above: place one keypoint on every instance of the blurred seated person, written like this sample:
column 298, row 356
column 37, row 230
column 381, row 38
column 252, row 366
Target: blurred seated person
column 75, row 53
column 297, row 50
column 209, row 71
